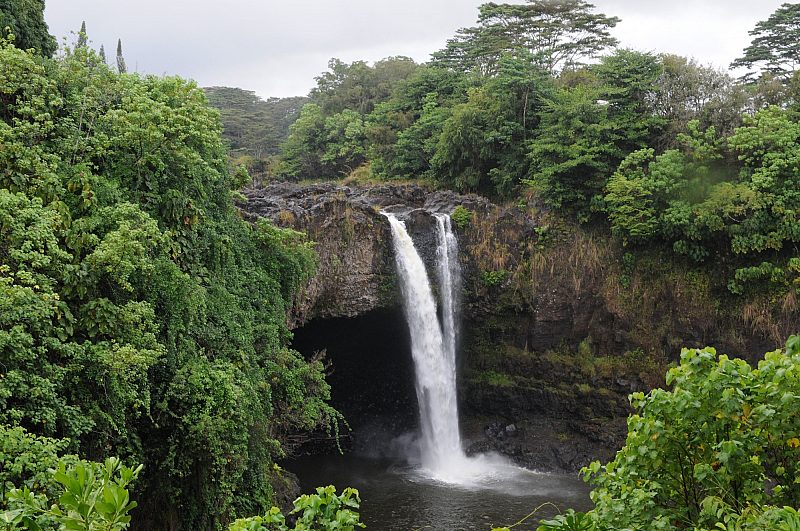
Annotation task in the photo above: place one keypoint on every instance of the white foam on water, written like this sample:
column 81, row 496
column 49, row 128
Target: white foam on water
column 433, row 348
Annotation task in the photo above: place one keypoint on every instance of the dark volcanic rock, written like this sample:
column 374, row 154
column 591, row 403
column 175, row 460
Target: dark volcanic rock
column 356, row 272
column 552, row 342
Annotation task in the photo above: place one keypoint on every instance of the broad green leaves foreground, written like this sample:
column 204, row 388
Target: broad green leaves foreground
column 720, row 450
column 88, row 496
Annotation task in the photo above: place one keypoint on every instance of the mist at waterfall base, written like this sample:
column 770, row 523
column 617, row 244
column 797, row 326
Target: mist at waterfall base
column 433, row 348
column 423, row 478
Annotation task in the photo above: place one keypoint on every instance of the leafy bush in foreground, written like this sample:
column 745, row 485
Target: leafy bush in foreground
column 323, row 510
column 720, row 450
column 94, row 497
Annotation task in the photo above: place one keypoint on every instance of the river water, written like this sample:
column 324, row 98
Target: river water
column 395, row 496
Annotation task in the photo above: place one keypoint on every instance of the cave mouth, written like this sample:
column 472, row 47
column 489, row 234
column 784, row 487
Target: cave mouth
column 371, row 374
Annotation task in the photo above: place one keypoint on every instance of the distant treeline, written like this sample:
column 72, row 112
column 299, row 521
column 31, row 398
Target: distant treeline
column 254, row 128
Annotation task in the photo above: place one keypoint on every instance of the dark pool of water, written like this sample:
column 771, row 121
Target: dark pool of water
column 398, row 497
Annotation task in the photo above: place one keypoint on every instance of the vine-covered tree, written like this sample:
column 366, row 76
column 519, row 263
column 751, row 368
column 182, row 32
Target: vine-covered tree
column 25, row 19
column 140, row 316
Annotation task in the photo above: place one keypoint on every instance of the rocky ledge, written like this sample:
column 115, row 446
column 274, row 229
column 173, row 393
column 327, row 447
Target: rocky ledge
column 559, row 325
column 355, row 273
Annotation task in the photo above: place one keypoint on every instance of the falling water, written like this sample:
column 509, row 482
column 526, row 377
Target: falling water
column 434, row 356
column 433, row 348
column 449, row 276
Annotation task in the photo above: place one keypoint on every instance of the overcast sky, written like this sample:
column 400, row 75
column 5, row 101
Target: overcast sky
column 276, row 47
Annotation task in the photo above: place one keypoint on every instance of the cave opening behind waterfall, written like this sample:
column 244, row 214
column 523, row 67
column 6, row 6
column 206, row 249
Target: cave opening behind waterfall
column 371, row 374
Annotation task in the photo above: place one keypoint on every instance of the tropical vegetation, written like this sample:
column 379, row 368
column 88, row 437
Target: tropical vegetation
column 140, row 316
column 144, row 351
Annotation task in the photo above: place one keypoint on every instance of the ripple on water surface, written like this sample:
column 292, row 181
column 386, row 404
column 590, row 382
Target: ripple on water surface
column 489, row 492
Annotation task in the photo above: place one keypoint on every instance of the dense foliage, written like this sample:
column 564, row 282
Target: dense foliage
column 24, row 19
column 718, row 450
column 139, row 315
column 254, row 128
column 91, row 496
column 668, row 153
column 324, row 510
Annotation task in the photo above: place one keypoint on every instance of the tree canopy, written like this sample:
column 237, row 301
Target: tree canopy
column 775, row 49
column 140, row 316
column 559, row 35
column 25, row 20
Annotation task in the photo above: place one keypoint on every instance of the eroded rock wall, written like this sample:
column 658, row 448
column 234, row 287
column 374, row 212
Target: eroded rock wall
column 560, row 323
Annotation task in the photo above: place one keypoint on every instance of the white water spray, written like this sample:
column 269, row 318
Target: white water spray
column 433, row 348
column 449, row 276
column 434, row 362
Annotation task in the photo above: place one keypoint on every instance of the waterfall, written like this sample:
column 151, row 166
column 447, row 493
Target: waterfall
column 449, row 276
column 432, row 345
column 433, row 348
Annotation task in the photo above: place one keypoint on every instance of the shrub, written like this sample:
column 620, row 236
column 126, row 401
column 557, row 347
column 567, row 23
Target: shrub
column 461, row 216
column 718, row 450
column 324, row 510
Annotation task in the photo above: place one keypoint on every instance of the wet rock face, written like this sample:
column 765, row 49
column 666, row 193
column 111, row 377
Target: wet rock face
column 356, row 271
column 535, row 289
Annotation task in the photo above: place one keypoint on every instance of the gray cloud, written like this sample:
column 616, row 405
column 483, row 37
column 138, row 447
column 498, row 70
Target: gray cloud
column 277, row 47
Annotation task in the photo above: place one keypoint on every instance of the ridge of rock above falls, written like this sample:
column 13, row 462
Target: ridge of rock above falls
column 355, row 271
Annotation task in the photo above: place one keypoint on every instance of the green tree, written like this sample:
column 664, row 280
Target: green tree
column 83, row 38
column 303, row 149
column 25, row 19
column 687, row 91
column 701, row 454
column 482, row 143
column 775, row 48
column 358, row 86
column 587, row 130
column 121, row 66
column 403, row 132
column 139, row 314
column 321, row 147
column 559, row 35
column 247, row 125
column 676, row 195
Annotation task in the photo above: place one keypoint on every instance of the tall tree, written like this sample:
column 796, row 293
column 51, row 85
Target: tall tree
column 775, row 48
column 587, row 130
column 687, row 90
column 103, row 54
column 560, row 34
column 359, row 86
column 120, row 59
column 83, row 39
column 25, row 19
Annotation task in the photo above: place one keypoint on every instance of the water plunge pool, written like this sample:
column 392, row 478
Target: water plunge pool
column 395, row 496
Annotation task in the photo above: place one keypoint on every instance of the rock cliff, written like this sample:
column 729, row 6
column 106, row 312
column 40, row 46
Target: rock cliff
column 560, row 323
